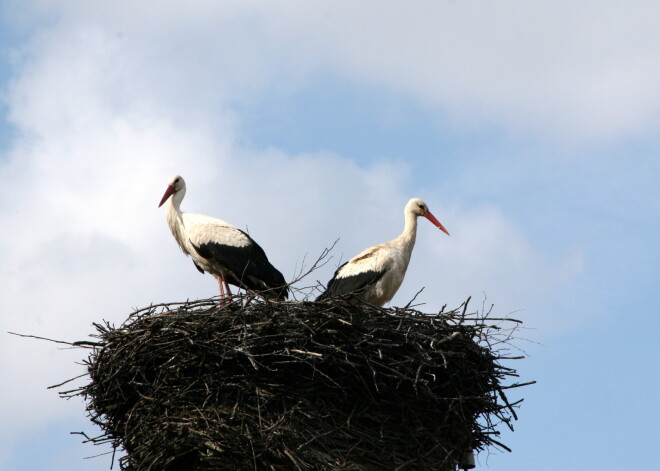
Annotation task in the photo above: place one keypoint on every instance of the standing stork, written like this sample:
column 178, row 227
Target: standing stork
column 221, row 249
column 375, row 274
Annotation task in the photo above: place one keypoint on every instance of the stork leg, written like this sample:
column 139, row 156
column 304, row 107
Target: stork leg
column 222, row 286
column 225, row 292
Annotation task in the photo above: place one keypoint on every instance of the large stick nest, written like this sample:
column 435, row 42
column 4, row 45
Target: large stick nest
column 255, row 385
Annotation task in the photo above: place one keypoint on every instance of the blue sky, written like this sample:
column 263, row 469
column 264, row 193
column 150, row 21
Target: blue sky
column 530, row 130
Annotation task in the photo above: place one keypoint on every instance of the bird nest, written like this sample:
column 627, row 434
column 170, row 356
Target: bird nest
column 258, row 385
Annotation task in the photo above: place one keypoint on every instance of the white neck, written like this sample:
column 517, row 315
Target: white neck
column 175, row 218
column 407, row 238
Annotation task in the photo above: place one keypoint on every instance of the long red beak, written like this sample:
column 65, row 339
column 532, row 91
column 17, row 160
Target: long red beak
column 169, row 192
column 432, row 218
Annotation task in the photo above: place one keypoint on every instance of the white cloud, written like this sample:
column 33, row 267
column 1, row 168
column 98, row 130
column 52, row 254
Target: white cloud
column 587, row 70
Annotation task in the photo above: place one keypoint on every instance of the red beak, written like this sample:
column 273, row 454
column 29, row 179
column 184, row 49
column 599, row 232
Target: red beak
column 169, row 192
column 432, row 218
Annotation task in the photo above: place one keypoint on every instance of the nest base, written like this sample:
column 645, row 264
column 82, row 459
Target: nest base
column 254, row 385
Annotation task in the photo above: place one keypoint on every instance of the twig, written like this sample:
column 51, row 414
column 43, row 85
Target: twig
column 67, row 381
column 42, row 338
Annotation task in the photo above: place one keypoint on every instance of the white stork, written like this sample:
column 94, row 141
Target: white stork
column 221, row 249
column 375, row 274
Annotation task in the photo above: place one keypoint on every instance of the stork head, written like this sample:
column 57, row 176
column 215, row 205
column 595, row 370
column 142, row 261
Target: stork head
column 175, row 186
column 419, row 208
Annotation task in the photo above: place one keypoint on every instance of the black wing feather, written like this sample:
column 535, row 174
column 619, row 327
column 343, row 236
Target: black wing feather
column 350, row 285
column 201, row 270
column 246, row 266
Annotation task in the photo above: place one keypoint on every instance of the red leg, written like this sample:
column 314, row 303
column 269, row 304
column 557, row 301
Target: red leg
column 222, row 287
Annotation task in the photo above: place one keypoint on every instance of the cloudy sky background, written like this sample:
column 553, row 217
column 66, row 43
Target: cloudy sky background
column 530, row 129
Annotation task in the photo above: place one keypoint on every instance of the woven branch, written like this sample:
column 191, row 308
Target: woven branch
column 257, row 385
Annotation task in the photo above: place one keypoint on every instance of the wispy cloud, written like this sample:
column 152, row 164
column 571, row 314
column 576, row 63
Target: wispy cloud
column 587, row 70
